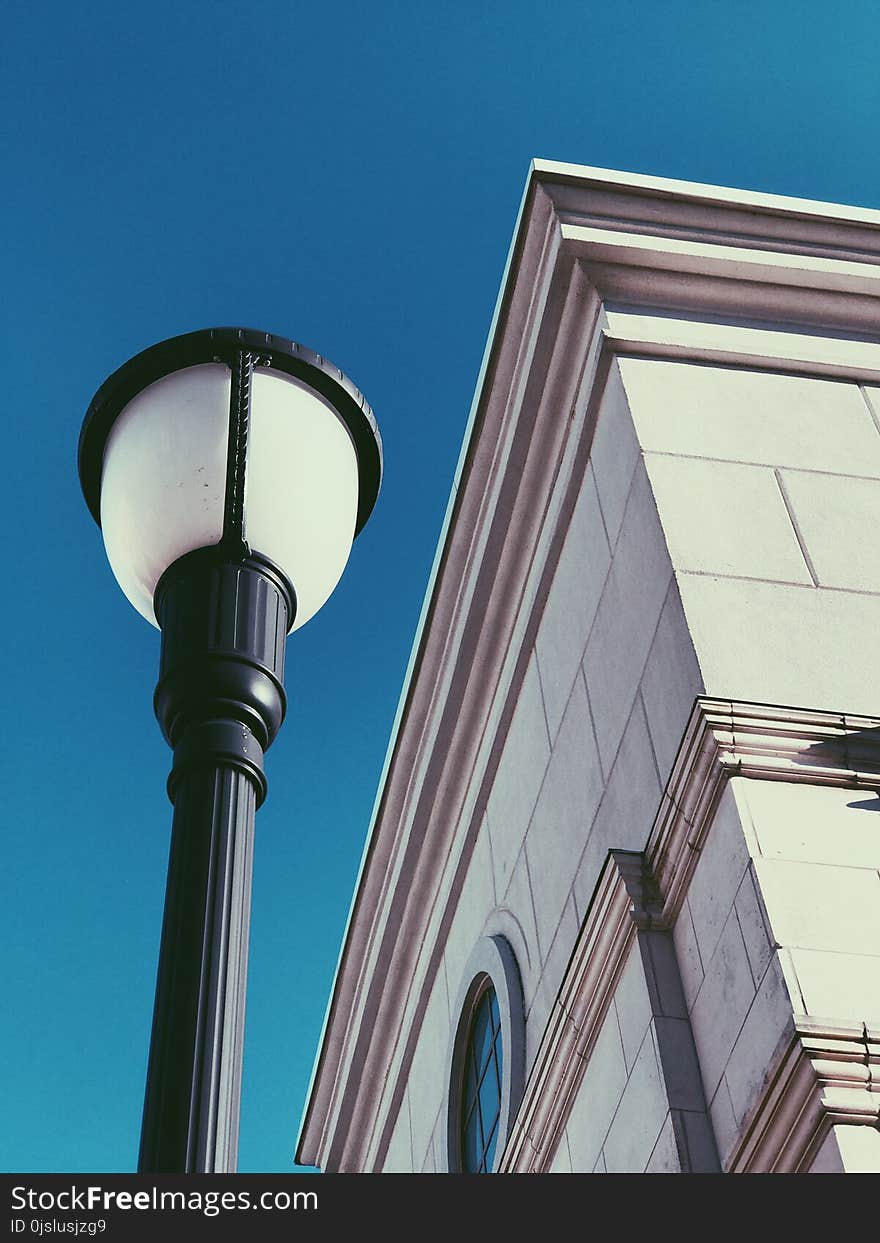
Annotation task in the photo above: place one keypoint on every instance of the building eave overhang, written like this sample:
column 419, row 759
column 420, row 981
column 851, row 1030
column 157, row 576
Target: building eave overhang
column 589, row 245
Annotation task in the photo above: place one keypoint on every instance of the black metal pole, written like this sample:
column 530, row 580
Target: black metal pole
column 220, row 700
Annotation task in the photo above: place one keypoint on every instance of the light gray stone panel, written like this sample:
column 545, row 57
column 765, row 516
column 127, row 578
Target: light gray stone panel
column 753, row 926
column 751, row 416
column 670, row 683
column 845, row 987
column 628, row 807
column 640, row 1116
column 813, row 823
column 689, row 962
column 398, row 1159
column 838, row 519
column 724, row 1000
column 859, row 1148
column 662, row 974
column 817, row 906
column 566, row 807
column 627, row 618
column 519, row 904
column 599, row 1167
column 726, row 518
column 677, row 1056
column 765, row 1033
column 633, row 1005
column 560, row 952
column 664, row 1159
column 475, row 903
column 718, row 875
column 598, row 1097
column 427, row 1075
column 429, row 1165
column 614, row 452
column 724, row 1122
column 773, row 643
column 697, row 1150
column 572, row 602
column 518, row 780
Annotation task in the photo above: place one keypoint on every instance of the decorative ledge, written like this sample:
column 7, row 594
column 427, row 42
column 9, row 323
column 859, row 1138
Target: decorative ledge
column 726, row 738
column 829, row 1075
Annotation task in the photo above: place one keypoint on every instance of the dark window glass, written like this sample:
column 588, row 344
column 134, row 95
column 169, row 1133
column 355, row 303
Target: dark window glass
column 481, row 1087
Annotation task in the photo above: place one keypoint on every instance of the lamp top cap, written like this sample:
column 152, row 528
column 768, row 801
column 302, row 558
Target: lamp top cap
column 221, row 345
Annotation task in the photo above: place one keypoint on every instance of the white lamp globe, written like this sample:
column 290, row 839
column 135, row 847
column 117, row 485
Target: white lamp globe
column 177, row 448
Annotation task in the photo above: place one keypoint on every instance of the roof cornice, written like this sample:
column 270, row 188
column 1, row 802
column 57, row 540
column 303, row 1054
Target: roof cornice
column 586, row 241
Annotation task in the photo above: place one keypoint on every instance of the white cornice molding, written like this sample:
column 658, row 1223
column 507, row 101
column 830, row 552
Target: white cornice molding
column 829, row 1075
column 509, row 521
column 527, row 441
column 725, row 739
column 822, row 1079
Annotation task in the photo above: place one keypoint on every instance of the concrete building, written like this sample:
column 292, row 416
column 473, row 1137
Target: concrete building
column 623, row 868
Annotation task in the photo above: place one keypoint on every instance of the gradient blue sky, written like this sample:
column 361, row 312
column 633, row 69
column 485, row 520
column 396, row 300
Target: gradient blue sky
column 346, row 174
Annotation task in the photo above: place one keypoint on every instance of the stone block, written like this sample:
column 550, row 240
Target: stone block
column 813, row 823
column 687, row 952
column 633, row 1005
column 614, row 452
column 726, row 518
column 519, row 904
column 427, row 1076
column 664, row 1159
column 564, row 813
column 776, row 643
column 718, row 875
column 572, row 602
column 859, row 1148
column 519, row 776
column 628, row 807
column 697, row 1150
column 845, row 987
column 751, row 416
column 723, row 1002
column 724, row 1123
column 662, row 974
column 753, row 926
column 671, row 681
column 640, row 1116
column 677, row 1057
column 475, row 902
column 559, row 954
column 765, row 1034
column 598, row 1097
column 626, row 621
column 837, row 518
column 818, row 906
column 398, row 1158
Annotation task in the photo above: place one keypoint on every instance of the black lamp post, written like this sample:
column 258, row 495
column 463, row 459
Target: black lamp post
column 229, row 471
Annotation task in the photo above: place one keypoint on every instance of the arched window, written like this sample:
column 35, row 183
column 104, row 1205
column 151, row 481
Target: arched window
column 486, row 1066
column 481, row 1086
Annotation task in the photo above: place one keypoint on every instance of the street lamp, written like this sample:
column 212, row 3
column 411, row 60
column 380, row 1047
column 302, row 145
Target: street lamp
column 229, row 471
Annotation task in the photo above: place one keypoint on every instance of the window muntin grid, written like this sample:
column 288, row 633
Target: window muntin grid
column 481, row 1087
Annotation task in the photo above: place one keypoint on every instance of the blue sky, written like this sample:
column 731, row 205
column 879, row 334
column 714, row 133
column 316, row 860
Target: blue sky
column 347, row 175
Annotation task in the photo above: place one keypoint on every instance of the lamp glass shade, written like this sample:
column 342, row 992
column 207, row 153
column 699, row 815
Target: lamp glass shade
column 164, row 477
column 301, row 489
